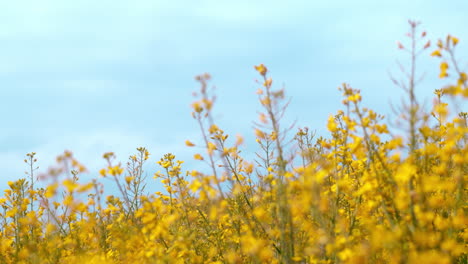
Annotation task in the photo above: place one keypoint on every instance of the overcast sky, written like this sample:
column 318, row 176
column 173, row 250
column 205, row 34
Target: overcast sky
column 113, row 75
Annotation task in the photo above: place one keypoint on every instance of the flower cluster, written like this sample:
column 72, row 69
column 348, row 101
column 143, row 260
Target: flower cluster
column 360, row 195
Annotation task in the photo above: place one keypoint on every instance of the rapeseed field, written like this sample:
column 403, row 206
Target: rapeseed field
column 362, row 194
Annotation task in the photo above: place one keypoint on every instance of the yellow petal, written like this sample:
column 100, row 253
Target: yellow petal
column 436, row 53
column 443, row 70
column 261, row 69
column 198, row 157
column 188, row 143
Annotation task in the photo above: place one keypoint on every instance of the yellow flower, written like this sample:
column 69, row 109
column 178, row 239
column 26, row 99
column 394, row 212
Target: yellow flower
column 260, row 134
column 454, row 40
column 436, row 53
column 443, row 70
column 239, row 140
column 51, row 190
column 332, row 126
column 198, row 157
column 261, row 69
column 70, row 185
column 211, row 148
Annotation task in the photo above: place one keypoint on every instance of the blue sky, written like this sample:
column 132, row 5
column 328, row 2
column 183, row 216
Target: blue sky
column 98, row 76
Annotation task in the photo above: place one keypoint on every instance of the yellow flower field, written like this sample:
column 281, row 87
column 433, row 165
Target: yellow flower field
column 360, row 195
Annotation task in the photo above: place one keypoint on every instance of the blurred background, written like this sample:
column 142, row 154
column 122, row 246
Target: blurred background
column 99, row 76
